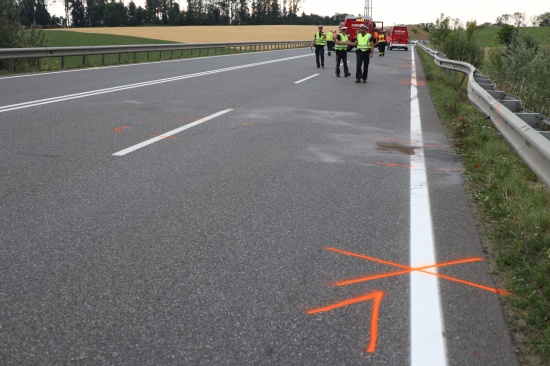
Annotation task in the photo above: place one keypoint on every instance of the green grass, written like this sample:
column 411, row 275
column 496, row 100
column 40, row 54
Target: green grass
column 513, row 209
column 61, row 38
column 487, row 36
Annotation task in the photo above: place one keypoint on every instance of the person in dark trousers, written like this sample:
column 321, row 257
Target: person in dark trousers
column 319, row 41
column 342, row 43
column 381, row 45
column 330, row 41
column 365, row 51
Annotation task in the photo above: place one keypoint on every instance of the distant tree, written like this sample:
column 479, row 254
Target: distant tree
column 506, row 34
column 132, row 14
column 519, row 19
column 78, row 13
column 95, row 10
column 503, row 19
column 243, row 13
column 10, row 27
column 141, row 15
column 41, row 15
column 115, row 14
column 543, row 20
column 26, row 12
column 441, row 30
column 470, row 29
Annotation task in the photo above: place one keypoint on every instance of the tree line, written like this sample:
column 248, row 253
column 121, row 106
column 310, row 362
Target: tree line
column 111, row 13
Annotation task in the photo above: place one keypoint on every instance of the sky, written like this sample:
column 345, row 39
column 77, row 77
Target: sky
column 393, row 12
column 424, row 11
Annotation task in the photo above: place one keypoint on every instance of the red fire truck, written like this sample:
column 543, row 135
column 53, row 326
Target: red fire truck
column 354, row 23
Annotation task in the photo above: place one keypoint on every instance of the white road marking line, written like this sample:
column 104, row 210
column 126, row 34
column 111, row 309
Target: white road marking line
column 170, row 133
column 427, row 340
column 309, row 77
column 43, row 73
column 35, row 103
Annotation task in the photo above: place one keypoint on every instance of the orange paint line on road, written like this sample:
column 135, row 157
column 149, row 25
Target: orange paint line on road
column 119, row 129
column 397, row 273
column 187, row 120
column 376, row 296
column 394, row 165
column 419, row 269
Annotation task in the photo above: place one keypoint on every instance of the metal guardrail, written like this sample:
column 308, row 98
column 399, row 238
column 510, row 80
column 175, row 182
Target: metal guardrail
column 12, row 54
column 520, row 126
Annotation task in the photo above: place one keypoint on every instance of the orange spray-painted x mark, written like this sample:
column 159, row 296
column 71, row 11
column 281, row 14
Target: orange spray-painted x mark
column 377, row 295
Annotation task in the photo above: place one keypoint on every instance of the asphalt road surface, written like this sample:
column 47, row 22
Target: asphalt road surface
column 238, row 210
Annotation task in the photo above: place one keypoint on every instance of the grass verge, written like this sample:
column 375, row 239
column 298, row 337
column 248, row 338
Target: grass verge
column 513, row 209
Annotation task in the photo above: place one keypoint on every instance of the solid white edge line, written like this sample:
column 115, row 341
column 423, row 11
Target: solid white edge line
column 309, row 77
column 169, row 133
column 427, row 332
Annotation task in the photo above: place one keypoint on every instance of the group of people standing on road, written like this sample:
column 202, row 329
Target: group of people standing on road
column 340, row 42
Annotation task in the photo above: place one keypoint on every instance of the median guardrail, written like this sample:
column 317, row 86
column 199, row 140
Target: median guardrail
column 39, row 53
column 520, row 126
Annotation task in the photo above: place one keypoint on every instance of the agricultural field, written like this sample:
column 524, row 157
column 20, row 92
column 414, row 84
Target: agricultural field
column 211, row 34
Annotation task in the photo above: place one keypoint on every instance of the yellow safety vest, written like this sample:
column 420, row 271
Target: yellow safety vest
column 329, row 36
column 363, row 42
column 381, row 38
column 341, row 47
column 320, row 40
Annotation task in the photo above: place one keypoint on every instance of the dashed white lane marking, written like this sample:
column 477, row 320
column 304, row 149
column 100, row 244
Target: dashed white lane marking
column 309, row 77
column 170, row 133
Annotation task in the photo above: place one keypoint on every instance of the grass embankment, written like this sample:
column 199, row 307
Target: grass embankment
column 64, row 38
column 487, row 36
column 514, row 213
column 61, row 38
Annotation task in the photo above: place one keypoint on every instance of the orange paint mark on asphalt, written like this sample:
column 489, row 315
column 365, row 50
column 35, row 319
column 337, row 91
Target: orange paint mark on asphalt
column 119, row 129
column 245, row 124
column 409, row 270
column 412, row 82
column 376, row 296
column 394, row 165
column 420, row 269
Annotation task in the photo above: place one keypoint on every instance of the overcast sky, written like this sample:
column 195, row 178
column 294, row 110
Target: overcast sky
column 424, row 11
column 407, row 11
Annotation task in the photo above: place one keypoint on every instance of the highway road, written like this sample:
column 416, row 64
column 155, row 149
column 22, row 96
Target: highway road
column 242, row 209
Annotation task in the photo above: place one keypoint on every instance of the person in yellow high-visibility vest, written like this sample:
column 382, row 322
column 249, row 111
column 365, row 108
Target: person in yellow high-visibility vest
column 365, row 51
column 330, row 41
column 342, row 43
column 381, row 45
column 319, row 41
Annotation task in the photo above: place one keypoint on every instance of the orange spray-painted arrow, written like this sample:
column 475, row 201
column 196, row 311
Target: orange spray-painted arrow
column 377, row 297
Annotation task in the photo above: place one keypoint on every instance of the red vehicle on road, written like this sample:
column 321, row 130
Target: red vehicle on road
column 399, row 37
column 354, row 23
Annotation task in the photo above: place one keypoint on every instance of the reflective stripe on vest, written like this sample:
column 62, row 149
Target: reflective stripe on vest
column 319, row 40
column 340, row 47
column 363, row 42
